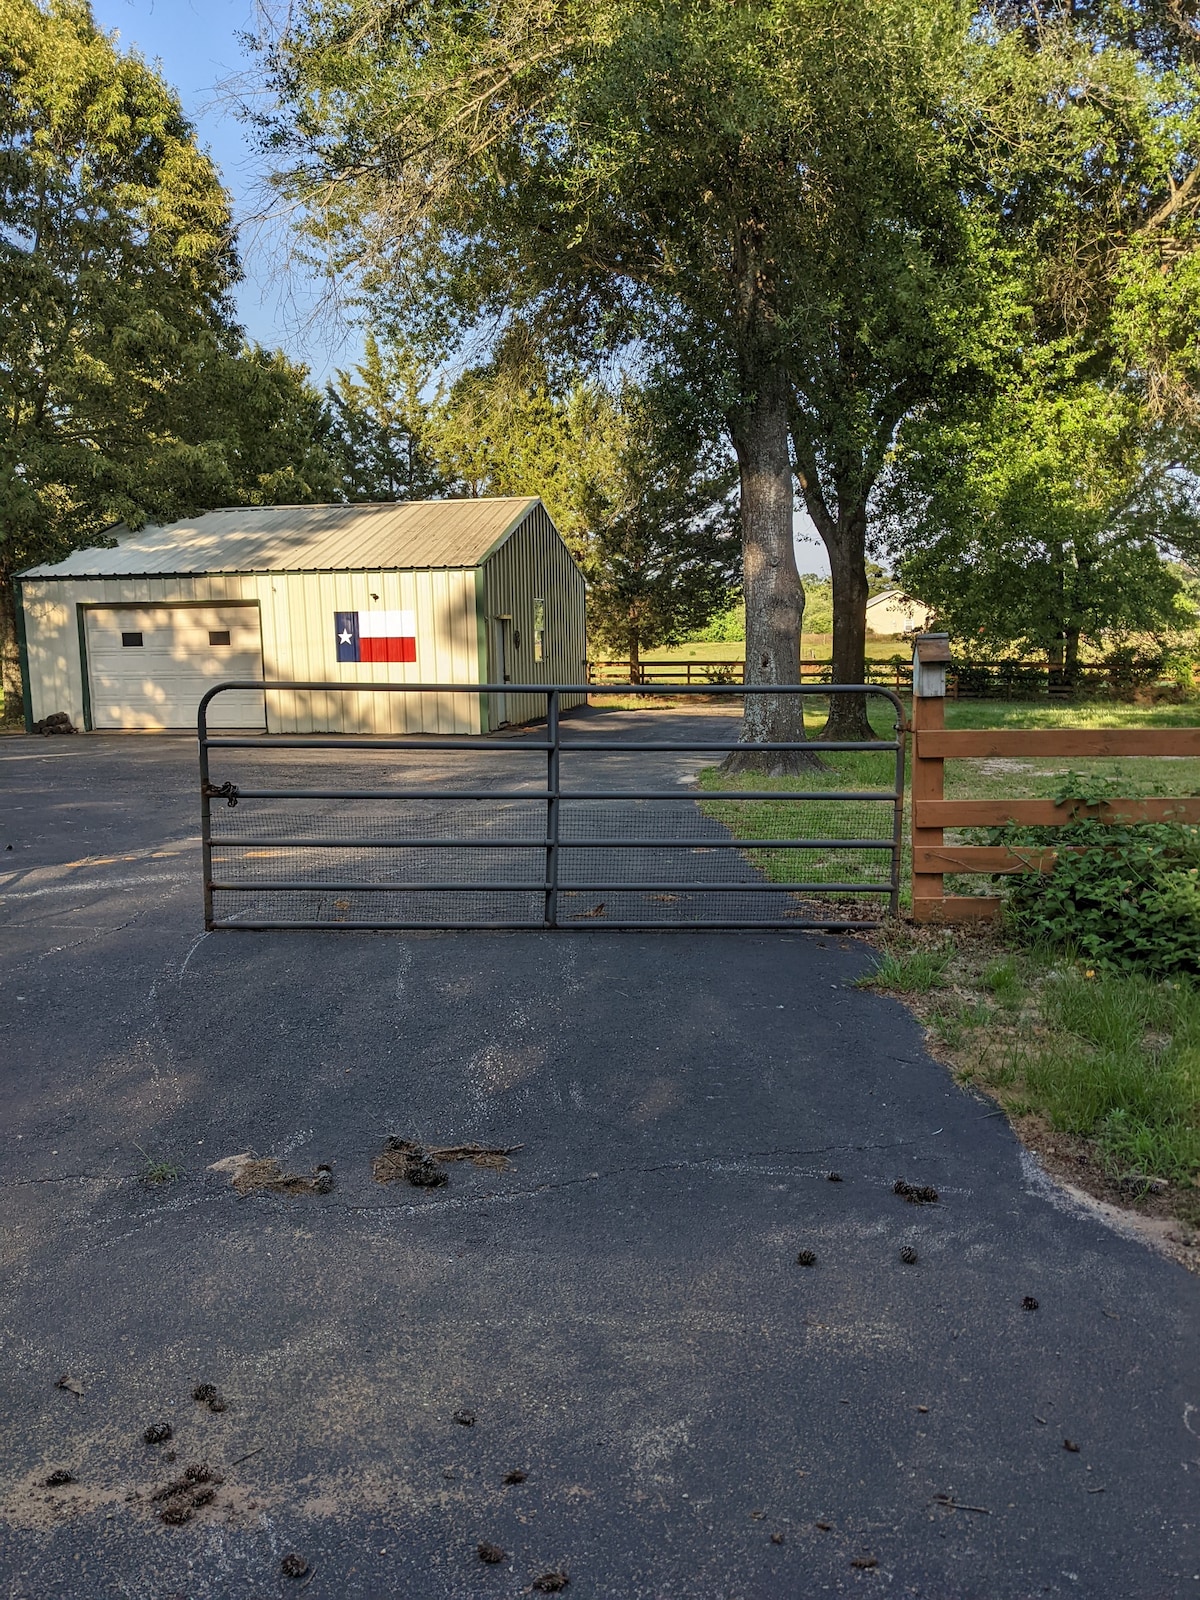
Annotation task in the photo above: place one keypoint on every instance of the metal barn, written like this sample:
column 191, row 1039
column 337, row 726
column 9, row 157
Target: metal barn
column 129, row 636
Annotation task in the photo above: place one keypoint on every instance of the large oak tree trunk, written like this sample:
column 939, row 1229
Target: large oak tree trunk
column 10, row 660
column 846, row 542
column 773, row 591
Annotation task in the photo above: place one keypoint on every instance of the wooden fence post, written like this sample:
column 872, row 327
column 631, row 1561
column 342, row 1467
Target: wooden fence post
column 931, row 654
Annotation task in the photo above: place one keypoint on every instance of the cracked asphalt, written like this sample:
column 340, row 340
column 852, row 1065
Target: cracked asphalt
column 698, row 1416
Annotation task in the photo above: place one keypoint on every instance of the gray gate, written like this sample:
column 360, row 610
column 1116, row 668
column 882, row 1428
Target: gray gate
column 586, row 820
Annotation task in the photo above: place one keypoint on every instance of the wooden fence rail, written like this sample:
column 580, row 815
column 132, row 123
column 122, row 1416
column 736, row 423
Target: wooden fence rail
column 711, row 670
column 933, row 744
column 1027, row 680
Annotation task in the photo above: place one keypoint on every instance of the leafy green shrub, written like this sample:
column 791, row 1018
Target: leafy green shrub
column 1122, row 895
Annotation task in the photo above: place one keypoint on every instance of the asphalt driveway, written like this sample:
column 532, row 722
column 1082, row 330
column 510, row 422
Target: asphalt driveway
column 622, row 1311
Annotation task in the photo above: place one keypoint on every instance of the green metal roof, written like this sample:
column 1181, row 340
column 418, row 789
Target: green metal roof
column 395, row 536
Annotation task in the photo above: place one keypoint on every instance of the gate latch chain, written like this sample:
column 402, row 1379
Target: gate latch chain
column 223, row 791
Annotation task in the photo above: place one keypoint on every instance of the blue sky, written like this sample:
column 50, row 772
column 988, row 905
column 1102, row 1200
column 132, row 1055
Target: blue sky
column 196, row 43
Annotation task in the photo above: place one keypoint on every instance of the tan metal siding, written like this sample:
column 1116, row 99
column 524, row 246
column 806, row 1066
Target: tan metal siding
column 297, row 612
column 303, row 647
column 534, row 563
column 56, row 679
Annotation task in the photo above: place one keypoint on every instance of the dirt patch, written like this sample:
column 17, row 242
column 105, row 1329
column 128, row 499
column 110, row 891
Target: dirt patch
column 819, row 910
column 254, row 1175
column 407, row 1161
column 1072, row 1163
column 179, row 1500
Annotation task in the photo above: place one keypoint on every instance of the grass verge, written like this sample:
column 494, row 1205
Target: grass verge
column 1099, row 1072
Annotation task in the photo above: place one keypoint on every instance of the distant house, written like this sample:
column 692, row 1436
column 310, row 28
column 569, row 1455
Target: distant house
column 894, row 612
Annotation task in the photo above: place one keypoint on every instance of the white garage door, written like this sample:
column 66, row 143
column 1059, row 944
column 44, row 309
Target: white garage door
column 149, row 665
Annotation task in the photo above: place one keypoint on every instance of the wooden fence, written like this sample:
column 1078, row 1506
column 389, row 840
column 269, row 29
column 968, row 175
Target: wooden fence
column 1013, row 680
column 933, row 744
column 890, row 674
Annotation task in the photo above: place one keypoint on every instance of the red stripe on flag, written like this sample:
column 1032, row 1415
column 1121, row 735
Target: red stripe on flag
column 387, row 649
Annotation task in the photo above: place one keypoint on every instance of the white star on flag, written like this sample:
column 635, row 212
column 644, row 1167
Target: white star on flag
column 344, row 636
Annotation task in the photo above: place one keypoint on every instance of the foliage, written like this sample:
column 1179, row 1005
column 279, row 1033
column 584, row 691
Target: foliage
column 1107, row 1057
column 125, row 392
column 752, row 202
column 380, row 427
column 729, row 625
column 1122, row 895
column 1034, row 525
column 250, row 430
column 1036, row 509
column 114, row 245
column 663, row 550
column 643, row 506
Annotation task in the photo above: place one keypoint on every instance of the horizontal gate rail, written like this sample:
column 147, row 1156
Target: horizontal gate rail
column 694, row 819
column 787, row 795
column 256, row 841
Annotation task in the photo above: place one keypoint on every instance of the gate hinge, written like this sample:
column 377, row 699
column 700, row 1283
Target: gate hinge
column 223, row 791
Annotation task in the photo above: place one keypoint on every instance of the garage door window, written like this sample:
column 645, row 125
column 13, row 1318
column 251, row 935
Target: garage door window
column 218, row 636
column 130, row 639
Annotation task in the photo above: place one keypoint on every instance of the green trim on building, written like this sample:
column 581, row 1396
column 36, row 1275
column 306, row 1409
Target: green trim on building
column 482, row 626
column 81, row 611
column 23, row 655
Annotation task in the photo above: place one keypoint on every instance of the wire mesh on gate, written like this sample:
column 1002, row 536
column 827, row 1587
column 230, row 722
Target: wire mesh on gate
column 562, row 824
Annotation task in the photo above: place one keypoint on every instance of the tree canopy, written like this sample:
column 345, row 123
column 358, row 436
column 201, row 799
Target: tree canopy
column 126, row 391
column 643, row 504
column 827, row 223
column 703, row 185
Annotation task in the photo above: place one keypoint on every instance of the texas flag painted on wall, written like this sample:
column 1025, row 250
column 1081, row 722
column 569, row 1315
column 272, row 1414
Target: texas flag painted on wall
column 376, row 635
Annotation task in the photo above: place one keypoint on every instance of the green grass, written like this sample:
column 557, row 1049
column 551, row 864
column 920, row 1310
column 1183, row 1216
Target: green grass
column 1109, row 1060
column 1032, row 777
column 1117, row 1060
column 853, row 770
column 155, row 1172
column 1002, row 978
column 909, row 972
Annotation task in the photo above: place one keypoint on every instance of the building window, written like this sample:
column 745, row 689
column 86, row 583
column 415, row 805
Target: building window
column 539, row 630
column 131, row 639
column 218, row 636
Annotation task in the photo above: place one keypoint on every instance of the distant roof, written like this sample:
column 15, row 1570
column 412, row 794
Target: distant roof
column 395, row 536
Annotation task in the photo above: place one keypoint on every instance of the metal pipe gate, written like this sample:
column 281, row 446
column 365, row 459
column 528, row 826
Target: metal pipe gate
column 352, row 853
